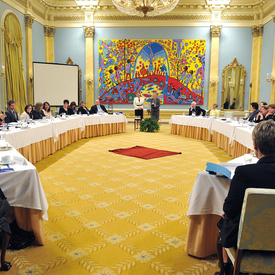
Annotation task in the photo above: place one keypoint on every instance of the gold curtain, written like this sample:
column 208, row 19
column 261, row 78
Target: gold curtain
column 15, row 80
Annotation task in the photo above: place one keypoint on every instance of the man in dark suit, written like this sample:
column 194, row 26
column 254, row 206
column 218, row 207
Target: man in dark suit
column 196, row 109
column 259, row 175
column 11, row 114
column 255, row 110
column 98, row 108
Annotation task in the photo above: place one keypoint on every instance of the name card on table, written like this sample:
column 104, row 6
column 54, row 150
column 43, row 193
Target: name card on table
column 19, row 160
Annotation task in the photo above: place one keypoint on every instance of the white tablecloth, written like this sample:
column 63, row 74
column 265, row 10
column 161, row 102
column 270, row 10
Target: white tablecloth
column 199, row 121
column 22, row 187
column 209, row 192
column 53, row 128
column 233, row 130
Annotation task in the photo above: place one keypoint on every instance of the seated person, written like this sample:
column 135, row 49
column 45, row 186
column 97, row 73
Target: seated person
column 72, row 108
column 226, row 104
column 232, row 106
column 214, row 111
column 255, row 110
column 98, row 108
column 47, row 109
column 27, row 114
column 38, row 113
column 262, row 114
column 2, row 117
column 196, row 109
column 11, row 114
column 271, row 112
column 64, row 108
column 259, row 175
column 5, row 231
column 83, row 109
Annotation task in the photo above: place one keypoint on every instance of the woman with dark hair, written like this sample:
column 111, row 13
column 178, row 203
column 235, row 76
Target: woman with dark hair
column 5, row 231
column 28, row 113
column 271, row 112
column 262, row 114
column 38, row 112
column 83, row 109
column 72, row 108
column 64, row 108
column 47, row 109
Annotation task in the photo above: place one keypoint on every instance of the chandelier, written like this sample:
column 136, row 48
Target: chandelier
column 145, row 8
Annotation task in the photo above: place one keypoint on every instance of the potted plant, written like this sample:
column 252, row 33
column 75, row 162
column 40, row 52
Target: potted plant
column 149, row 125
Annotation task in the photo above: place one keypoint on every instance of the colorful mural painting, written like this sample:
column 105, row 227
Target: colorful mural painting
column 173, row 68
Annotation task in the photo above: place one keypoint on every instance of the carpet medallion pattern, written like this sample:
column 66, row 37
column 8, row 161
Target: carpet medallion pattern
column 113, row 214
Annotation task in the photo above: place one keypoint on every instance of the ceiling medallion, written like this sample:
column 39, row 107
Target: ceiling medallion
column 145, row 8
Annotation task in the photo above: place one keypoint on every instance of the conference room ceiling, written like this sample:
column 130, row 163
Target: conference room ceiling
column 66, row 13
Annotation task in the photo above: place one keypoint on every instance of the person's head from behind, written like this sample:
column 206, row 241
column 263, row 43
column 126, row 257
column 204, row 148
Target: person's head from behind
column 193, row 104
column 46, row 106
column 271, row 108
column 215, row 106
column 263, row 137
column 82, row 104
column 73, row 105
column 254, row 106
column 264, row 109
column 28, row 108
column 11, row 105
column 38, row 107
column 97, row 102
column 66, row 103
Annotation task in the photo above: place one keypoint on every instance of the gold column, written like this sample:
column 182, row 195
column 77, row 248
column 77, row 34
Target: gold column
column 49, row 43
column 272, row 96
column 214, row 65
column 89, row 35
column 28, row 23
column 257, row 32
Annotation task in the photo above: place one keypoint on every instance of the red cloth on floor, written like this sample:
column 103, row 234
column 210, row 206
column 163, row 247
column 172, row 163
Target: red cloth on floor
column 144, row 152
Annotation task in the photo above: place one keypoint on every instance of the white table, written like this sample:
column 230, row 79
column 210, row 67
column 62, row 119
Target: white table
column 205, row 209
column 46, row 137
column 24, row 192
column 234, row 138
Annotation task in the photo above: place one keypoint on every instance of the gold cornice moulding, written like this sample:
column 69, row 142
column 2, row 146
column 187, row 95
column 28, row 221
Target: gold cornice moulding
column 29, row 20
column 89, row 31
column 49, row 31
column 215, row 30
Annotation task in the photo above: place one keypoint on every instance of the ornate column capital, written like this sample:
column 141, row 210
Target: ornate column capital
column 258, row 30
column 215, row 30
column 89, row 31
column 49, row 31
column 29, row 20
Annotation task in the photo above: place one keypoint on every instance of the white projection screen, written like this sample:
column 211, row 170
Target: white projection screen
column 54, row 82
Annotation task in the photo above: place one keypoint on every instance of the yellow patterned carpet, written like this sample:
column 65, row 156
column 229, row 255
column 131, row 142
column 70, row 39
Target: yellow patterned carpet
column 113, row 214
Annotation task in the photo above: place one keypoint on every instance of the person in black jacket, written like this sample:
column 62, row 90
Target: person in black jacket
column 226, row 104
column 38, row 113
column 255, row 110
column 11, row 114
column 72, row 108
column 64, row 108
column 98, row 108
column 259, row 175
column 197, row 110
column 83, row 109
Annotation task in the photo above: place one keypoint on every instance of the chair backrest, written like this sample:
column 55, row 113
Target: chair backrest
column 257, row 223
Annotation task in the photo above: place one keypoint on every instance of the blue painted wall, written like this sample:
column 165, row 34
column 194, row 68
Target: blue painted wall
column 38, row 42
column 21, row 17
column 70, row 42
column 235, row 42
column 267, row 61
column 154, row 33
